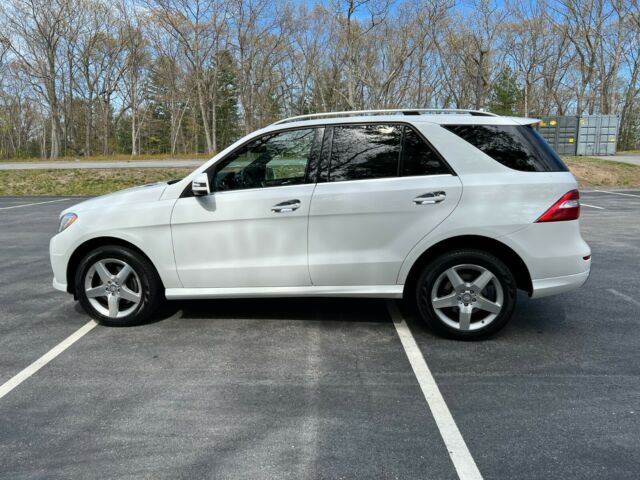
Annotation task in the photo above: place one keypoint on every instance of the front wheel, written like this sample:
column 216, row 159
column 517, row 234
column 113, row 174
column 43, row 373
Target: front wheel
column 117, row 286
column 466, row 294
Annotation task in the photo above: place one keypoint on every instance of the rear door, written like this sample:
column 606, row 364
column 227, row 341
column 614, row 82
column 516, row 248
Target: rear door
column 381, row 189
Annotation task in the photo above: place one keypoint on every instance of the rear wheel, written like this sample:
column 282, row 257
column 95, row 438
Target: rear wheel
column 466, row 294
column 117, row 286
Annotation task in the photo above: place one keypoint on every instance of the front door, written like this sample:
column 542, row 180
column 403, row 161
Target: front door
column 252, row 230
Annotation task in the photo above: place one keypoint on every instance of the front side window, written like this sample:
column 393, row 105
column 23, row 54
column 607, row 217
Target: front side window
column 361, row 152
column 270, row 161
column 516, row 146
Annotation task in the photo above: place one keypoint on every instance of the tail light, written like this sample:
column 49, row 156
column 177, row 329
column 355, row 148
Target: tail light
column 567, row 208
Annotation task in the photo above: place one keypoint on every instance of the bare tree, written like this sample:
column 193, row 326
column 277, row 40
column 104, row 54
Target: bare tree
column 35, row 30
column 93, row 54
column 82, row 76
column 629, row 121
column 136, row 70
column 198, row 26
column 584, row 21
column 259, row 45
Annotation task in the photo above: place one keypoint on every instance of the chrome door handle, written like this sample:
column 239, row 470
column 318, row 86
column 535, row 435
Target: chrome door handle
column 430, row 198
column 288, row 206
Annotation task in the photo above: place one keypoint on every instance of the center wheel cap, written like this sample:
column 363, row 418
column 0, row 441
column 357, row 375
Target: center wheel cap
column 466, row 298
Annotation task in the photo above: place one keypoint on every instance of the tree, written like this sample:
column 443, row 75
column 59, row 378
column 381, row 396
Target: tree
column 87, row 76
column 198, row 26
column 136, row 71
column 228, row 128
column 506, row 94
column 34, row 31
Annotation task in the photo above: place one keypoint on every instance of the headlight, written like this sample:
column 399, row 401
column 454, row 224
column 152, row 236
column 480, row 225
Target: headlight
column 66, row 221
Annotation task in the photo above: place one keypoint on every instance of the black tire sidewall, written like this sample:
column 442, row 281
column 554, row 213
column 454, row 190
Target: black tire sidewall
column 150, row 285
column 434, row 269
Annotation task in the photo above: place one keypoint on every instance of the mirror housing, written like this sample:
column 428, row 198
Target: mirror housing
column 200, row 185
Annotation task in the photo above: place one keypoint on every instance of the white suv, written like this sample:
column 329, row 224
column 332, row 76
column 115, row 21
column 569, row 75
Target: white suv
column 453, row 210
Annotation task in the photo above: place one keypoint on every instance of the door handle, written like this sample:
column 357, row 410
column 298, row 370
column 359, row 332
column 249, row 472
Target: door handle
column 430, row 198
column 288, row 206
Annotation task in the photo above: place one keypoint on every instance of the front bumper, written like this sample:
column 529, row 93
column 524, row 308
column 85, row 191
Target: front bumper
column 59, row 258
column 59, row 285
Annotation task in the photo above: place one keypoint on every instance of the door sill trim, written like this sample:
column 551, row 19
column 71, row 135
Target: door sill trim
column 362, row 291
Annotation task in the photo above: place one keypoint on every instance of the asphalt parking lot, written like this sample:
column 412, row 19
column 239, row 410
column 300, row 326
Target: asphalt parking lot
column 293, row 389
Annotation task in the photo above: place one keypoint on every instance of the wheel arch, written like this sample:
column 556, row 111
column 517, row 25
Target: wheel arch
column 91, row 244
column 513, row 261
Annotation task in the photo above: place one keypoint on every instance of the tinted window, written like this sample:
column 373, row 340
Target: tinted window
column 268, row 161
column 517, row 147
column 364, row 151
column 418, row 157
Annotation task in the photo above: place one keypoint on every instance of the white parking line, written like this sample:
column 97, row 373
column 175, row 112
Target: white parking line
column 37, row 203
column 618, row 193
column 46, row 358
column 590, row 206
column 626, row 297
column 457, row 448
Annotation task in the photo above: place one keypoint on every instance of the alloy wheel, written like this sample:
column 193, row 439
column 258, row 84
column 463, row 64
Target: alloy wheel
column 466, row 297
column 113, row 288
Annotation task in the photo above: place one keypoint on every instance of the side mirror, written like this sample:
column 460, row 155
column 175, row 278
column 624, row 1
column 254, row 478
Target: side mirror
column 200, row 185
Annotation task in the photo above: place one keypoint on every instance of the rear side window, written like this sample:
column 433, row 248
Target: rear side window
column 419, row 158
column 516, row 146
column 361, row 152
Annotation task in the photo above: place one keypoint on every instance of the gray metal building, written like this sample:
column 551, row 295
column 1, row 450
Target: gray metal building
column 561, row 133
column 586, row 135
column 597, row 135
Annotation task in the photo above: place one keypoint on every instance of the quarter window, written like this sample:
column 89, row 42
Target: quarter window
column 269, row 161
column 515, row 146
column 362, row 152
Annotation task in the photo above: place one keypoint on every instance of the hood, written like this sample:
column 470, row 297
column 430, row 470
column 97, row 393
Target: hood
column 134, row 195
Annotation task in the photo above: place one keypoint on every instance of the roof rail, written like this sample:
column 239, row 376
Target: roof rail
column 394, row 111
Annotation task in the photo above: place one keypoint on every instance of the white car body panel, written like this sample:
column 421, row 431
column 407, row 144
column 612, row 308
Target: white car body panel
column 487, row 209
column 551, row 250
column 360, row 231
column 354, row 238
column 235, row 239
column 137, row 216
column 358, row 291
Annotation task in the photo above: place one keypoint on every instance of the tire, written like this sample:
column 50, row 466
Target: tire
column 465, row 294
column 117, row 286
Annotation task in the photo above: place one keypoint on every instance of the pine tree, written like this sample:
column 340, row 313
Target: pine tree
column 228, row 128
column 506, row 94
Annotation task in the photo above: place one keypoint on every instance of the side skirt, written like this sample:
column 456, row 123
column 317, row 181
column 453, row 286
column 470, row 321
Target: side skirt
column 364, row 291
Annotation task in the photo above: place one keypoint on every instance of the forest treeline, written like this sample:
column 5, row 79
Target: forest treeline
column 87, row 77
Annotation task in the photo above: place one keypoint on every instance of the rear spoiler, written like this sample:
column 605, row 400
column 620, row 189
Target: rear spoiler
column 525, row 121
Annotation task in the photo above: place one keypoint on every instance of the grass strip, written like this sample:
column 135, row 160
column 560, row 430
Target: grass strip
column 593, row 172
column 123, row 157
column 82, row 181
